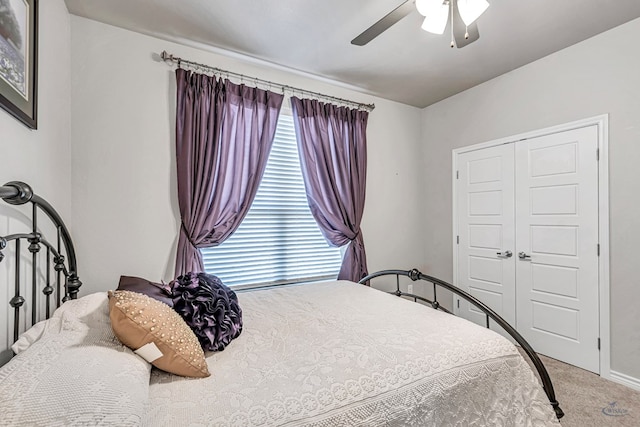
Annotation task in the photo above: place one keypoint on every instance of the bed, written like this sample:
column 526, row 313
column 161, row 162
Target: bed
column 324, row 354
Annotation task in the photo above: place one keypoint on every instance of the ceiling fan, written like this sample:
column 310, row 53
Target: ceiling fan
column 461, row 13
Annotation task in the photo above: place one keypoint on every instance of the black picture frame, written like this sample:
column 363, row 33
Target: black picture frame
column 19, row 60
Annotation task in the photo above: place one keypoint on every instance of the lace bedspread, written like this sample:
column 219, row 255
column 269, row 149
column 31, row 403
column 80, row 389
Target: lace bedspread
column 341, row 354
column 76, row 374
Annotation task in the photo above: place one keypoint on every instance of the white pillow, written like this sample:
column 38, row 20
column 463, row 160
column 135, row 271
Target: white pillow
column 75, row 308
column 31, row 335
column 79, row 375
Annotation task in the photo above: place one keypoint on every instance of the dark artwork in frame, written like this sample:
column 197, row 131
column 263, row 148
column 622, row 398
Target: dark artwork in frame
column 19, row 59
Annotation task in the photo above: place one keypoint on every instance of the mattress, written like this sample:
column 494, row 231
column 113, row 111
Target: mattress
column 342, row 354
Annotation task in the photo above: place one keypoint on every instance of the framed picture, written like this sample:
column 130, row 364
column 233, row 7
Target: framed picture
column 19, row 59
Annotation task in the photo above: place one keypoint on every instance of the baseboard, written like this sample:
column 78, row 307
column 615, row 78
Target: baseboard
column 625, row 379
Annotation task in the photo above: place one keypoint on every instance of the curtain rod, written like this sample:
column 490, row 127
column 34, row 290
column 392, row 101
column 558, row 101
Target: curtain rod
column 167, row 57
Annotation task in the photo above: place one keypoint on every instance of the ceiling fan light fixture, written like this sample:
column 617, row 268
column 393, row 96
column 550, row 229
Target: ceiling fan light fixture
column 426, row 6
column 470, row 10
column 437, row 14
column 436, row 21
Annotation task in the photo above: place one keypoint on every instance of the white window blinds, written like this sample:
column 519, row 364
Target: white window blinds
column 278, row 242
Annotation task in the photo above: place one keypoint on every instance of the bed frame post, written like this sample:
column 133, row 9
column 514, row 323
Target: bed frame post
column 73, row 286
column 48, row 290
column 34, row 248
column 17, row 300
column 59, row 266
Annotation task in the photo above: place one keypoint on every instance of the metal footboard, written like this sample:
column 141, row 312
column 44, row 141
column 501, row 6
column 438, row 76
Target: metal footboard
column 488, row 312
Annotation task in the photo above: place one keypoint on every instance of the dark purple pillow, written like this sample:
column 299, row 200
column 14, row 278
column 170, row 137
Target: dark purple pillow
column 209, row 307
column 160, row 291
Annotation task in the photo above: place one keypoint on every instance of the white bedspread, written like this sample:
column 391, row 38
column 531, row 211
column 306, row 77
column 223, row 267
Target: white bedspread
column 76, row 373
column 341, row 354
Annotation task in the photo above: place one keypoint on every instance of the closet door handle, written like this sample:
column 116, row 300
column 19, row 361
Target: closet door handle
column 505, row 254
column 524, row 256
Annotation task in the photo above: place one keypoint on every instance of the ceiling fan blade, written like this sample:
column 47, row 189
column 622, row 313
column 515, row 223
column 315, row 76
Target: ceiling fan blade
column 460, row 30
column 383, row 24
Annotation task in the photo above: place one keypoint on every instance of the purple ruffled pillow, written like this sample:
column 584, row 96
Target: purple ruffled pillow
column 209, row 307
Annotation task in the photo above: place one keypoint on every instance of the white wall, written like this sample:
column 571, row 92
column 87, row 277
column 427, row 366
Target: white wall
column 42, row 157
column 600, row 75
column 124, row 185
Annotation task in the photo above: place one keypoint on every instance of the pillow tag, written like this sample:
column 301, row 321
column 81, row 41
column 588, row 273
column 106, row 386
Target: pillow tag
column 149, row 352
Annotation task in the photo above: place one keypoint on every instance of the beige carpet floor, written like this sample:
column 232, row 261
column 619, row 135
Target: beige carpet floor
column 591, row 401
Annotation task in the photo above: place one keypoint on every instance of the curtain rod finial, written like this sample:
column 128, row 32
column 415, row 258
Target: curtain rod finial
column 167, row 56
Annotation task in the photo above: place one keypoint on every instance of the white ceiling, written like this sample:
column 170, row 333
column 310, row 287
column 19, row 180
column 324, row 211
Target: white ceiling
column 404, row 64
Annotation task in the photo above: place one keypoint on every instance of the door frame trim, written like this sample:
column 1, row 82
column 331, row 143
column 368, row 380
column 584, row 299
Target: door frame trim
column 602, row 123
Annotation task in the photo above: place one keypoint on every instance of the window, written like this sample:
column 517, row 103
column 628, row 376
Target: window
column 279, row 241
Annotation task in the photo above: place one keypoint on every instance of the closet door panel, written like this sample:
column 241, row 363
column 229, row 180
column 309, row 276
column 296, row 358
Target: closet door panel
column 485, row 206
column 556, row 240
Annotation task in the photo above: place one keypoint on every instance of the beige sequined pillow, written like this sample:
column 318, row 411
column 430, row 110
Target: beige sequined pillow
column 157, row 333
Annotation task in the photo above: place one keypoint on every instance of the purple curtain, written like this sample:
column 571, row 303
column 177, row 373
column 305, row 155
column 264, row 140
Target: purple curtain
column 332, row 142
column 224, row 134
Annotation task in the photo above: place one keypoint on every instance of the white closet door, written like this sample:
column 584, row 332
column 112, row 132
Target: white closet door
column 485, row 206
column 556, row 245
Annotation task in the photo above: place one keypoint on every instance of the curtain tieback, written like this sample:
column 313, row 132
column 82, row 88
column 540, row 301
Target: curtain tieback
column 184, row 230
